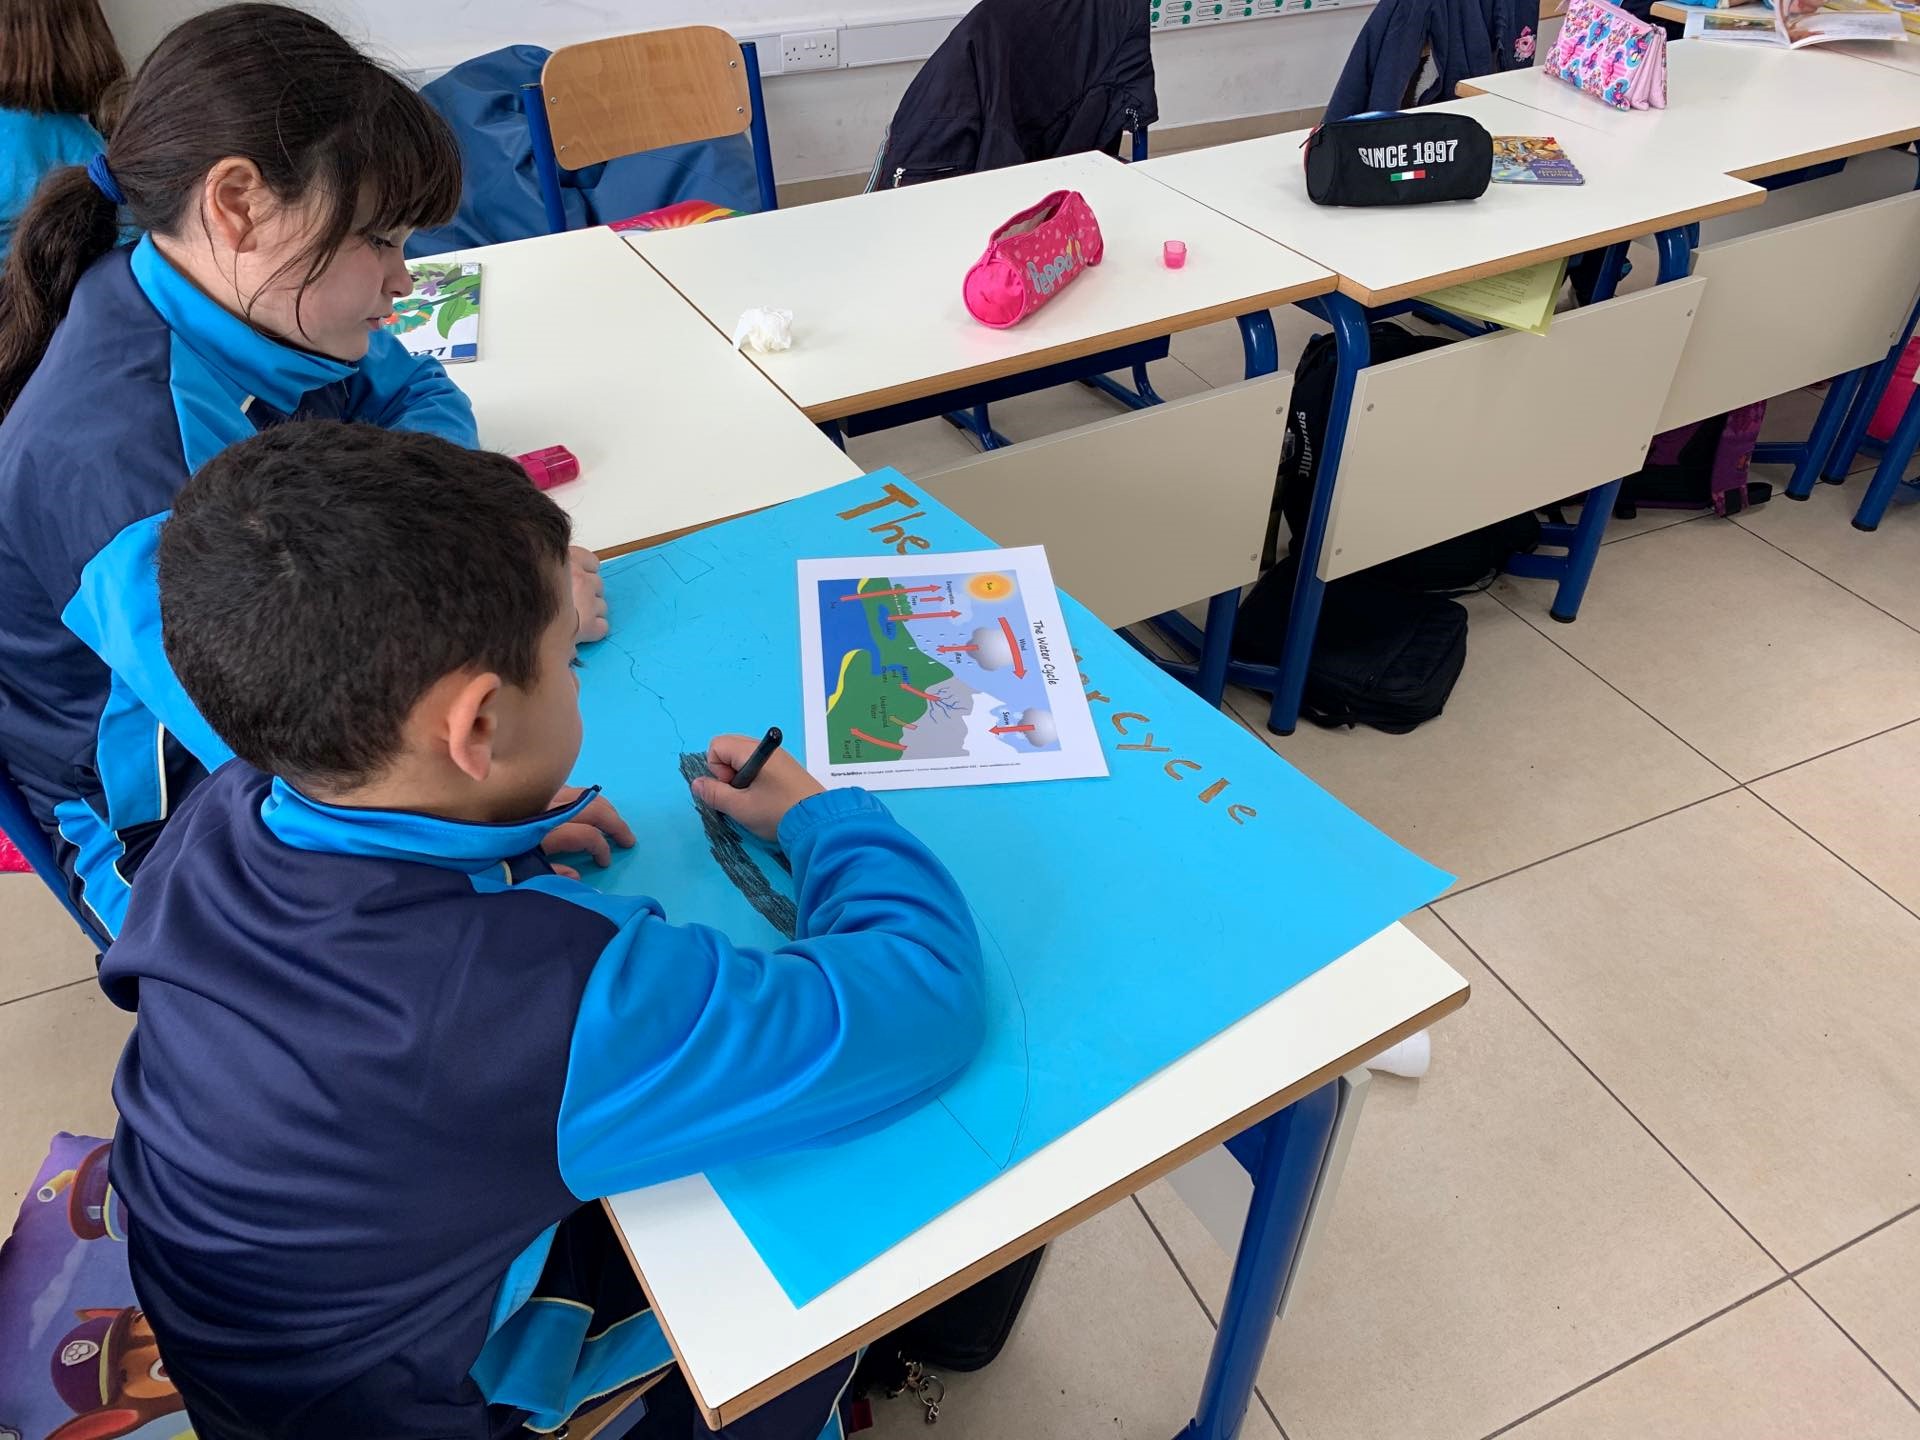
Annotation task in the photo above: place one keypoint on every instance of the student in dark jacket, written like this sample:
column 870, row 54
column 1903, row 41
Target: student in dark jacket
column 387, row 1059
column 1023, row 80
column 1464, row 38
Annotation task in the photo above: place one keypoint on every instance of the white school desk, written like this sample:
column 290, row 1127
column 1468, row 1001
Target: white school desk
column 1900, row 56
column 583, row 346
column 874, row 281
column 1392, row 252
column 740, row 1341
column 1750, row 110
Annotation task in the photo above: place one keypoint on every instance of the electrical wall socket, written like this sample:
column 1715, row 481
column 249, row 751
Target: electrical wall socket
column 810, row 50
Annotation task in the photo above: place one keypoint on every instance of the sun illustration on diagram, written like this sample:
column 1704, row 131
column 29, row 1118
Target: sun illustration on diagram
column 991, row 586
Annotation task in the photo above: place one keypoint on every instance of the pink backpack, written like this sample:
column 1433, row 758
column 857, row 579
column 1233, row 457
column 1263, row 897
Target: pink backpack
column 1032, row 258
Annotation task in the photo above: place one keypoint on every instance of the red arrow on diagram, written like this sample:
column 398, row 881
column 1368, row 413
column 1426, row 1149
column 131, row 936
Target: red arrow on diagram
column 1019, row 665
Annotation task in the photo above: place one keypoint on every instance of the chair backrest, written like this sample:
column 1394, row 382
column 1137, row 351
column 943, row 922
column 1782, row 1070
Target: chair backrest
column 17, row 822
column 607, row 98
column 604, row 99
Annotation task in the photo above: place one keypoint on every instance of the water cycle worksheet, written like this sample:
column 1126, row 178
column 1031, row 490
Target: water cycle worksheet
column 940, row 670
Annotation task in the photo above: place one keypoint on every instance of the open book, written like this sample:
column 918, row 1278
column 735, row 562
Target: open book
column 1794, row 23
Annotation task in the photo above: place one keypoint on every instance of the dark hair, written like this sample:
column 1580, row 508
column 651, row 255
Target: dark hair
column 57, row 57
column 317, row 578
column 266, row 83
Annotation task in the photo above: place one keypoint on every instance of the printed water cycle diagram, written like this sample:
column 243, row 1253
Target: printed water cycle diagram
column 934, row 672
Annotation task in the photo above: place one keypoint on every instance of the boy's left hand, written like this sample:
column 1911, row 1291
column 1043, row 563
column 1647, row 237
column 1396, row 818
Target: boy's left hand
column 589, row 595
column 589, row 832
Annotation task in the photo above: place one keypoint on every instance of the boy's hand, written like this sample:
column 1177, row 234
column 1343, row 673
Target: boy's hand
column 781, row 784
column 589, row 832
column 589, row 597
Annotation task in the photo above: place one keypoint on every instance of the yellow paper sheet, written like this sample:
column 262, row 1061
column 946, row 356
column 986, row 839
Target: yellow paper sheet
column 1516, row 300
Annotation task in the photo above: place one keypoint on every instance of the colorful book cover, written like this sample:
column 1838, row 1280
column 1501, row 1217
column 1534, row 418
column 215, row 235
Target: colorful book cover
column 1532, row 160
column 441, row 318
column 673, row 217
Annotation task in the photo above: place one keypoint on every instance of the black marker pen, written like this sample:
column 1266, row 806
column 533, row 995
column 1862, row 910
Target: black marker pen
column 743, row 777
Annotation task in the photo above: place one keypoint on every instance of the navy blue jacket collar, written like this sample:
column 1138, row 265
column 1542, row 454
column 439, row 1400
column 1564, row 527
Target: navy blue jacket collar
column 465, row 845
column 253, row 363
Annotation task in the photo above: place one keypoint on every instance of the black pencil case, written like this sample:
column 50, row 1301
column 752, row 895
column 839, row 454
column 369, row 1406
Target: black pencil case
column 1409, row 157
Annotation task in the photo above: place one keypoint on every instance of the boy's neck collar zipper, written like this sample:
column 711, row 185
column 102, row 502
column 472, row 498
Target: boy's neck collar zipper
column 469, row 846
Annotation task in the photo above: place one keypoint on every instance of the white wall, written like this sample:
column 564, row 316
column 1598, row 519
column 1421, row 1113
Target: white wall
column 827, row 122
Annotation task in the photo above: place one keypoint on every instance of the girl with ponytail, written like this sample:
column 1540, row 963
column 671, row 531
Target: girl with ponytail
column 276, row 173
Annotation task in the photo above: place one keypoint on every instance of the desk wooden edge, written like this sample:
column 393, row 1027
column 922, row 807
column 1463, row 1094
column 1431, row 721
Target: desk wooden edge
column 1905, row 135
column 731, row 1410
column 841, row 409
column 1598, row 240
column 627, row 547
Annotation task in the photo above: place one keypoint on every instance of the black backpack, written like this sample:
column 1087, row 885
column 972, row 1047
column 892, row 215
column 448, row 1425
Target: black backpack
column 963, row 1333
column 1382, row 656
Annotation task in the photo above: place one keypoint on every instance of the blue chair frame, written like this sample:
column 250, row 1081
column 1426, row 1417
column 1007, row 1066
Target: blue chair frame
column 546, row 163
column 16, row 819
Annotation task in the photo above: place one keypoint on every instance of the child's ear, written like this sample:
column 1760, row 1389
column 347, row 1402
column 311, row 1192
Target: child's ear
column 234, row 196
column 472, row 724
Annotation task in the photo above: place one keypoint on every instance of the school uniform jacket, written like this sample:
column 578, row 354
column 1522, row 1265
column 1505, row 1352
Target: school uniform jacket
column 146, row 379
column 380, row 1056
column 1462, row 38
column 1018, row 81
column 31, row 144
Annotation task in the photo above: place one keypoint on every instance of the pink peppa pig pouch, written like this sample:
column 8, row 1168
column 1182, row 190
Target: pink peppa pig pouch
column 1032, row 258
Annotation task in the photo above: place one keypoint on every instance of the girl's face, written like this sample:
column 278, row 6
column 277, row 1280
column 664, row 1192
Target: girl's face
column 340, row 308
column 250, row 249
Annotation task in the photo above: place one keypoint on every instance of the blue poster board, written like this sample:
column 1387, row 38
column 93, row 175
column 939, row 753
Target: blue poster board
column 1125, row 920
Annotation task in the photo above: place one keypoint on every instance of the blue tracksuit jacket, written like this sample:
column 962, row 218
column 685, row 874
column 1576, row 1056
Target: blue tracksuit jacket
column 146, row 380
column 31, row 144
column 380, row 1056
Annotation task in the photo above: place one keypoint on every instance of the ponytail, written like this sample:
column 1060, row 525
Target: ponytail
column 69, row 225
column 322, row 123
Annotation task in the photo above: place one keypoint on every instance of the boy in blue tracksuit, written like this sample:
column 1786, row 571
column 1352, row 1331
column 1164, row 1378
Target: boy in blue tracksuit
column 384, row 1055
column 277, row 172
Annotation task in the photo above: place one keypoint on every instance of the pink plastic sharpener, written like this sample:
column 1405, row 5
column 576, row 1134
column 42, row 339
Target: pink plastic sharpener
column 552, row 466
column 1174, row 254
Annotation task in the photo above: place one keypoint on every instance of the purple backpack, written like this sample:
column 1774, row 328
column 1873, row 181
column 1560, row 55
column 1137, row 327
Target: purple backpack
column 1700, row 465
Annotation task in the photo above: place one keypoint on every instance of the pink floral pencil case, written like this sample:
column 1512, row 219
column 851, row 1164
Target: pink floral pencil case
column 1612, row 56
column 1032, row 258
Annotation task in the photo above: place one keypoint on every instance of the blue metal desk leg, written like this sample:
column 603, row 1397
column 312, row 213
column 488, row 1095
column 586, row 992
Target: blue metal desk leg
column 1216, row 644
column 1349, row 321
column 1893, row 466
column 1676, row 262
column 1262, row 346
column 1293, row 1150
column 1843, row 396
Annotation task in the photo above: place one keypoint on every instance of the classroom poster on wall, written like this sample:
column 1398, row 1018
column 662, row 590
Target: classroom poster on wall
column 940, row 670
column 1124, row 919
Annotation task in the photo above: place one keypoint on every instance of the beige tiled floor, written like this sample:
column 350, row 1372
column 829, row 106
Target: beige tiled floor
column 1663, row 1181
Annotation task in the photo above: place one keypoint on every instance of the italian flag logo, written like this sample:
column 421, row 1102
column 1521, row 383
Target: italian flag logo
column 1407, row 175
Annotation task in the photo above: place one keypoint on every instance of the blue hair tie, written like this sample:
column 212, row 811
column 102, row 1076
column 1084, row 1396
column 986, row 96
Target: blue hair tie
column 103, row 180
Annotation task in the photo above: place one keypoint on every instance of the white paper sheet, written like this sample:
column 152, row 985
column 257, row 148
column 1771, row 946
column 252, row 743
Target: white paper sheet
column 931, row 670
